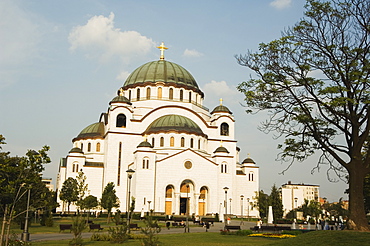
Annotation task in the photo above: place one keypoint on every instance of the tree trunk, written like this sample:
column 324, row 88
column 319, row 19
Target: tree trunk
column 357, row 217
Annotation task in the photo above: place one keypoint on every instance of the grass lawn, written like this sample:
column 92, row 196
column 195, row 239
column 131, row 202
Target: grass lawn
column 318, row 238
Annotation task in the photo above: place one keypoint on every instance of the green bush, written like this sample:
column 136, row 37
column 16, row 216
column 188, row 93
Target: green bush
column 118, row 234
column 100, row 237
column 295, row 232
column 243, row 232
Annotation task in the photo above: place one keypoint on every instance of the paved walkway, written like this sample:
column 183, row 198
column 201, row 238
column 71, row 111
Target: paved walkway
column 215, row 228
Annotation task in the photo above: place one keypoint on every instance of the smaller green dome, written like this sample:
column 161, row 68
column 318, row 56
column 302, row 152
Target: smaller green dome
column 76, row 150
column 145, row 144
column 221, row 109
column 176, row 123
column 248, row 160
column 120, row 99
column 221, row 149
column 95, row 130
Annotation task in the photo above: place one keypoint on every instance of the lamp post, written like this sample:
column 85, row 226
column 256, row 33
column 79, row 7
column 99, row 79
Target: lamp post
column 241, row 209
column 230, row 205
column 248, row 207
column 295, row 201
column 187, row 209
column 26, row 234
column 225, row 204
column 130, row 172
column 149, row 207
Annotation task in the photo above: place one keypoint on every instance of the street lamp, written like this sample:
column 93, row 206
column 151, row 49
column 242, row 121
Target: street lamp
column 149, row 207
column 248, row 207
column 225, row 204
column 26, row 234
column 187, row 208
column 129, row 172
column 230, row 205
column 295, row 212
column 241, row 204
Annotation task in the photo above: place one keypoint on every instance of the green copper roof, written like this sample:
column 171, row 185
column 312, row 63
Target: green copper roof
column 75, row 150
column 145, row 144
column 221, row 109
column 122, row 99
column 248, row 160
column 175, row 123
column 221, row 149
column 93, row 131
column 161, row 71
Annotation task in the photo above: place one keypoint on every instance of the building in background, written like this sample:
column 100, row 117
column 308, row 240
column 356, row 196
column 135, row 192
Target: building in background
column 293, row 195
column 48, row 183
column 183, row 155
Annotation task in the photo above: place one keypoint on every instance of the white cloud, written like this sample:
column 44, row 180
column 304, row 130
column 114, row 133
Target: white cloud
column 216, row 90
column 281, row 4
column 99, row 38
column 192, row 53
column 123, row 76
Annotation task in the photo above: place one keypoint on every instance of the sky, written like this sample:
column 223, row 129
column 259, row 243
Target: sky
column 61, row 62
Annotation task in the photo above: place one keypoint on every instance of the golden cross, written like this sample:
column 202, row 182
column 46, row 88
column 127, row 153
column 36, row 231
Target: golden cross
column 121, row 91
column 221, row 101
column 162, row 48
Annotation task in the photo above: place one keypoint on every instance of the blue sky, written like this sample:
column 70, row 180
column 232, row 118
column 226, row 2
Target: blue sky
column 61, row 62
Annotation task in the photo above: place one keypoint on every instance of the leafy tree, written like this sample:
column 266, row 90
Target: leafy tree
column 82, row 188
column 69, row 192
column 261, row 203
column 150, row 231
column 314, row 82
column 310, row 208
column 274, row 200
column 109, row 199
column 89, row 202
column 336, row 209
column 18, row 176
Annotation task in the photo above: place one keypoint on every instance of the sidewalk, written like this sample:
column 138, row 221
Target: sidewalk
column 196, row 229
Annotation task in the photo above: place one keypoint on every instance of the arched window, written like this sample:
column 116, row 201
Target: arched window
column 148, row 93
column 159, row 93
column 251, row 176
column 191, row 143
column 88, row 147
column 121, row 120
column 181, row 95
column 182, row 142
column 198, row 143
column 82, row 146
column 98, row 147
column 145, row 163
column 73, row 168
column 172, row 141
column 224, row 167
column 224, row 129
column 189, row 96
column 152, row 142
column 169, row 191
column 161, row 142
column 170, row 94
column 138, row 94
column 76, row 168
column 129, row 95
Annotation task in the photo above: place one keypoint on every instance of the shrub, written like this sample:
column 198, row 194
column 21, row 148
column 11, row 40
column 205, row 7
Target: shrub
column 243, row 232
column 118, row 234
column 150, row 232
column 100, row 237
column 295, row 232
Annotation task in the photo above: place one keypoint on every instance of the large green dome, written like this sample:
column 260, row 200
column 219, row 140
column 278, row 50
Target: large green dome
column 95, row 130
column 161, row 71
column 174, row 123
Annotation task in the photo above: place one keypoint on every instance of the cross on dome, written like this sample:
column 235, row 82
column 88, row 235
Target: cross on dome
column 162, row 48
column 221, row 101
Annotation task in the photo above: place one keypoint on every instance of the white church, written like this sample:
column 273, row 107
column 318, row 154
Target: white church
column 184, row 157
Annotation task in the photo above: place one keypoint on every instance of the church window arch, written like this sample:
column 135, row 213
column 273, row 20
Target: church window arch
column 153, row 140
column 170, row 95
column 73, row 168
column 191, row 143
column 148, row 93
column 181, row 95
column 161, row 142
column 198, row 143
column 172, row 141
column 159, row 93
column 129, row 95
column 202, row 200
column 251, row 176
column 138, row 94
column 224, row 129
column 98, row 147
column 89, row 147
column 121, row 120
column 82, row 147
column 169, row 191
column 224, row 167
column 146, row 163
column 182, row 142
column 189, row 96
column 76, row 168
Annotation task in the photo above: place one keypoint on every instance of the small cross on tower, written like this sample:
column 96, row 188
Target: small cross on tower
column 162, row 48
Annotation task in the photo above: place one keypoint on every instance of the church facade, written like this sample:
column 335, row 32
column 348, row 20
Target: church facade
column 184, row 157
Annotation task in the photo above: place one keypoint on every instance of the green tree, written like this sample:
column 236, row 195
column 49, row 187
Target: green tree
column 314, row 82
column 82, row 188
column 18, row 176
column 274, row 200
column 69, row 192
column 261, row 203
column 89, row 202
column 109, row 199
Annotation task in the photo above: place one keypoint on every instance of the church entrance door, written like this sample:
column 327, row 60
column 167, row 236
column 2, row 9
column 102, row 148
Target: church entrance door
column 183, row 205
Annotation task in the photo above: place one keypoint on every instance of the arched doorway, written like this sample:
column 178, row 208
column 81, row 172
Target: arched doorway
column 186, row 191
column 202, row 205
column 169, row 196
